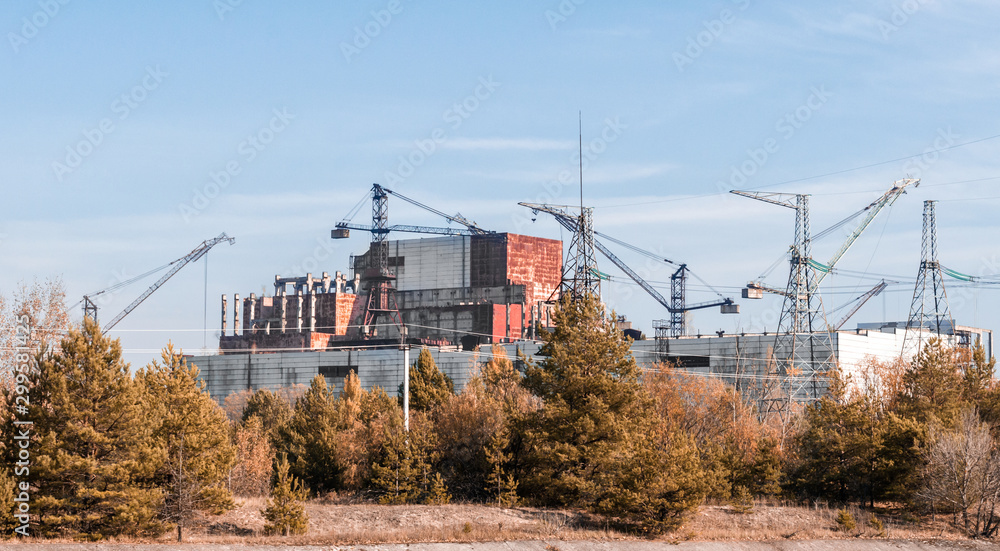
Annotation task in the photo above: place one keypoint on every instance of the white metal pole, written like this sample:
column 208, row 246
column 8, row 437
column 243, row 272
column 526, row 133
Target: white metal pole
column 406, row 387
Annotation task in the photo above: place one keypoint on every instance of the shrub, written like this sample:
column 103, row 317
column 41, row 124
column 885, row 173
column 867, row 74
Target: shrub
column 877, row 525
column 845, row 520
column 742, row 501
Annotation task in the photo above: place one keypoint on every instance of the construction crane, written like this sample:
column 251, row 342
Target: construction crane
column 381, row 303
column 873, row 209
column 797, row 347
column 807, row 274
column 675, row 306
column 380, row 194
column 457, row 217
column 90, row 308
column 678, row 290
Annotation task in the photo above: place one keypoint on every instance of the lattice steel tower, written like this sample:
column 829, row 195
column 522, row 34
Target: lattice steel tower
column 801, row 356
column 929, row 312
column 580, row 274
column 381, row 303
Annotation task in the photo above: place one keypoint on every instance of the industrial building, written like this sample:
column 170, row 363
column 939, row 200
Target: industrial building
column 741, row 360
column 449, row 291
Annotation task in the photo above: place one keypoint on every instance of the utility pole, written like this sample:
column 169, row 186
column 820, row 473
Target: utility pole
column 406, row 378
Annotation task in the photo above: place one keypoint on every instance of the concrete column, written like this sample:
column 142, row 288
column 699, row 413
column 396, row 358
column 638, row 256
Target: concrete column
column 326, row 282
column 309, row 282
column 312, row 311
column 225, row 314
column 298, row 310
column 284, row 309
column 339, row 283
column 278, row 288
column 236, row 314
column 252, row 315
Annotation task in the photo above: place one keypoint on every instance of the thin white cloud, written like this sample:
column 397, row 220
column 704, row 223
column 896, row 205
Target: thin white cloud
column 620, row 173
column 497, row 144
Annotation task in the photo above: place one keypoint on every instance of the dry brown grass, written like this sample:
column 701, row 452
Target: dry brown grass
column 337, row 523
column 334, row 522
column 783, row 521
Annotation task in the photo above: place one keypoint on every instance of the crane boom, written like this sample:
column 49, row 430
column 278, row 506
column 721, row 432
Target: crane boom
column 473, row 227
column 786, row 200
column 569, row 222
column 887, row 199
column 192, row 256
column 405, row 228
column 874, row 291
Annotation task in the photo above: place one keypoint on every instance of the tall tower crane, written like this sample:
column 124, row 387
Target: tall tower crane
column 381, row 303
column 90, row 308
column 675, row 305
column 799, row 313
column 380, row 221
column 809, row 354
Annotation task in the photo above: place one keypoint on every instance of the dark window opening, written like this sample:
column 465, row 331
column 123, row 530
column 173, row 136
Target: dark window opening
column 336, row 371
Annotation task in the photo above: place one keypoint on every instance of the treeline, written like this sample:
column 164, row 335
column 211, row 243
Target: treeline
column 921, row 434
column 581, row 427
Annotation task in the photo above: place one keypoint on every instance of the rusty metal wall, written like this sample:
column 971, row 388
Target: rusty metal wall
column 535, row 263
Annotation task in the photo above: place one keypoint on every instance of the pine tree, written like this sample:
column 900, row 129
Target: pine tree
column 403, row 469
column 499, row 483
column 8, row 507
column 193, row 432
column 312, row 438
column 851, row 449
column 274, row 412
column 932, row 385
column 95, row 442
column 429, row 387
column 597, row 442
column 285, row 513
column 352, row 450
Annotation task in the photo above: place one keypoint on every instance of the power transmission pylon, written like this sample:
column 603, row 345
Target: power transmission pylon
column 580, row 274
column 929, row 312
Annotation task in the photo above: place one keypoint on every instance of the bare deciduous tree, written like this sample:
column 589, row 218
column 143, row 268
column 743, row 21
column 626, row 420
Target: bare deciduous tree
column 251, row 477
column 45, row 305
column 962, row 474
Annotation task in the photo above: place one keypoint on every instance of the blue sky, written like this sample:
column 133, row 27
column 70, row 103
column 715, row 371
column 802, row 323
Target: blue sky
column 122, row 118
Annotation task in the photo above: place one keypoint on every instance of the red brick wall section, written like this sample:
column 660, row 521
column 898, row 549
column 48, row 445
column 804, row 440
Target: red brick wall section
column 318, row 341
column 515, row 321
column 347, row 308
column 354, row 310
column 499, row 322
column 536, row 263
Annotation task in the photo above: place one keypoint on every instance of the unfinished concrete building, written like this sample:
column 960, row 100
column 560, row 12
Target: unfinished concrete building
column 740, row 360
column 450, row 291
